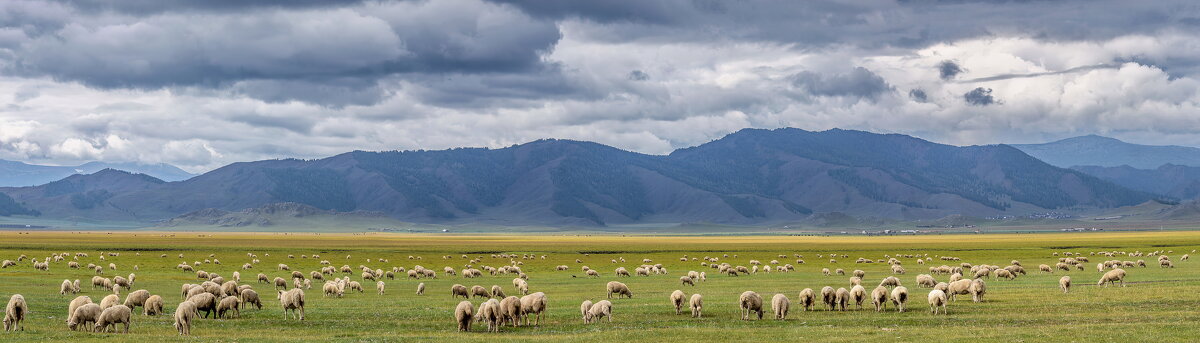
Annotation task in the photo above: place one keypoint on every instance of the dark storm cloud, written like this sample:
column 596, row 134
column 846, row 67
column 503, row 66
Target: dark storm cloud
column 980, row 97
column 860, row 83
column 948, row 70
column 918, row 95
column 158, row 6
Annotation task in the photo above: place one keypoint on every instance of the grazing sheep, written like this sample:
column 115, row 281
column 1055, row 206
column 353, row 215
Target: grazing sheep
column 619, row 289
column 463, row 313
column 750, row 301
column 332, row 289
column 249, row 296
column 67, row 287
column 677, row 300
column 293, row 300
column 841, row 298
column 137, row 298
column 977, row 290
column 379, row 287
column 1064, row 283
column 583, row 310
column 510, row 308
column 1112, row 277
column 828, row 296
column 458, row 290
column 204, row 302
column 600, row 309
column 15, row 313
column 421, row 289
column 879, row 297
column 479, row 291
column 890, row 281
column 858, row 294
column 899, row 297
column 498, row 292
column 183, row 317
column 533, row 304
column 112, row 316
column 153, row 306
column 109, row 301
column 697, row 305
column 229, row 304
column 1045, row 268
column 489, row 311
column 807, row 299
column 280, row 283
column 687, row 280
column 83, row 316
column 959, row 287
column 926, row 281
column 937, row 299
column 780, row 306
column 76, row 303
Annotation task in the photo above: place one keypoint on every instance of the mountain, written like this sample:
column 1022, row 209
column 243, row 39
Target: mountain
column 748, row 177
column 19, row 174
column 1101, row 151
column 1180, row 182
column 267, row 215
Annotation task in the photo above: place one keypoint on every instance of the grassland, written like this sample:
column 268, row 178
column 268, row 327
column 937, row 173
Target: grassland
column 1158, row 305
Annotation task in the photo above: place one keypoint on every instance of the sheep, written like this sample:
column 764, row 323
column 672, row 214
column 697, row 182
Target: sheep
column 926, row 281
column 229, row 304
column 184, row 313
column 841, row 298
column 112, row 316
column 332, row 289
column 463, row 313
column 858, row 294
column 879, row 298
column 687, row 280
column 137, row 298
column 67, row 287
column 379, row 287
column 14, row 313
column 293, row 300
column 510, row 310
column 977, row 290
column 807, row 299
column 890, row 281
column 153, row 306
column 600, row 309
column 1045, row 268
column 353, row 285
column 280, row 283
column 750, row 301
column 204, row 302
column 109, row 301
column 1064, row 283
column 489, row 311
column 828, row 297
column 498, row 292
column 76, row 303
column 455, row 291
column 249, row 296
column 479, row 291
column 780, row 305
column 83, row 315
column 619, row 289
column 1112, row 277
column 533, row 304
column 583, row 310
column 937, row 298
column 959, row 287
column 421, row 289
column 899, row 297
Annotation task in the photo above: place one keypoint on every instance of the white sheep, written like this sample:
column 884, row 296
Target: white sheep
column 697, row 305
column 1112, row 277
column 153, row 306
column 780, row 306
column 83, row 316
column 677, row 300
column 619, row 289
column 15, row 312
column 750, row 301
column 807, row 299
column 879, row 298
column 900, row 297
column 1064, row 283
column 937, row 298
column 533, row 304
column 599, row 310
column 112, row 316
column 292, row 300
column 463, row 313
column 583, row 310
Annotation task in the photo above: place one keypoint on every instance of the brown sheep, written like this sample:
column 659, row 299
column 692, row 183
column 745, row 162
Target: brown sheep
column 619, row 289
column 229, row 305
column 455, row 291
column 249, row 296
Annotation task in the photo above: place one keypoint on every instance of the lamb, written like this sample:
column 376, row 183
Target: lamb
column 137, row 298
column 677, row 300
column 583, row 310
column 112, row 316
column 619, row 289
column 15, row 313
column 828, row 296
column 1064, row 283
column 697, row 304
column 977, row 290
column 183, row 317
column 463, row 313
column 457, row 290
column 780, row 305
column 229, row 304
column 153, row 306
column 899, row 298
column 858, row 294
column 421, row 288
column 109, row 301
column 937, row 299
column 498, row 292
column 204, row 302
column 842, row 297
column 83, row 315
column 807, row 299
column 750, row 302
column 533, row 304
column 292, row 300
column 1112, row 277
column 959, row 287
column 879, row 297
column 600, row 309
column 479, row 291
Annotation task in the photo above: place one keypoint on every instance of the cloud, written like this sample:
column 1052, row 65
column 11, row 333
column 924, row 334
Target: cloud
column 859, row 83
column 638, row 75
column 918, row 95
column 980, row 97
column 948, row 70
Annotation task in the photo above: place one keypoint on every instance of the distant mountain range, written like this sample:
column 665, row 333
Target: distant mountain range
column 1101, row 151
column 749, row 177
column 19, row 174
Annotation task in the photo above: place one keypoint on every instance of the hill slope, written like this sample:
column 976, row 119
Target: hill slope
column 1182, row 182
column 748, row 177
column 1101, row 151
column 18, row 174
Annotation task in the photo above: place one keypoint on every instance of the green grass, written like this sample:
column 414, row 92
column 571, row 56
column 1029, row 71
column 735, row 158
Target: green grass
column 1158, row 305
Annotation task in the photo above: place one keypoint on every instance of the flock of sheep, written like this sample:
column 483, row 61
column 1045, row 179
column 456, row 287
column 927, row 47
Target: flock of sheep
column 216, row 296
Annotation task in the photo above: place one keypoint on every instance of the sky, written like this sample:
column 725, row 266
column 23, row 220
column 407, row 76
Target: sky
column 200, row 84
